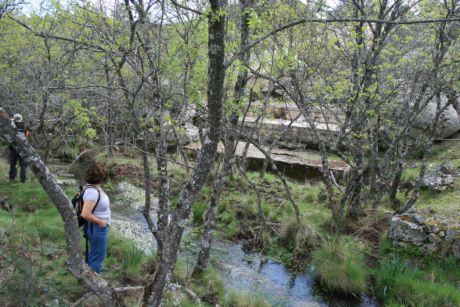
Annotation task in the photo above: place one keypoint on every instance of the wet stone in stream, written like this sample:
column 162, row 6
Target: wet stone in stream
column 127, row 218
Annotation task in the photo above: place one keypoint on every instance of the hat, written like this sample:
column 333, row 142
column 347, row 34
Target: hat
column 17, row 117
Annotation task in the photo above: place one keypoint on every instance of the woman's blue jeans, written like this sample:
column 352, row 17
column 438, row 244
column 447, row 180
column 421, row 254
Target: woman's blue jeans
column 97, row 237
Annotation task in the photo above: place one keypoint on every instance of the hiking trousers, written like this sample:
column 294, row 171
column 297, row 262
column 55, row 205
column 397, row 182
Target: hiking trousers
column 97, row 238
column 14, row 159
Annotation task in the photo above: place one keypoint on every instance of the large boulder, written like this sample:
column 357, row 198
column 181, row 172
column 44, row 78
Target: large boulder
column 186, row 134
column 456, row 249
column 402, row 229
column 432, row 233
column 440, row 179
column 449, row 121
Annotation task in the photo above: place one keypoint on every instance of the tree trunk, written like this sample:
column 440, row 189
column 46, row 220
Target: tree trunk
column 189, row 192
column 230, row 145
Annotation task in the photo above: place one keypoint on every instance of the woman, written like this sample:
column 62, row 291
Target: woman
column 97, row 216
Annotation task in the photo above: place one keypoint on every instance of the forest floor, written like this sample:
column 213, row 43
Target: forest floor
column 32, row 251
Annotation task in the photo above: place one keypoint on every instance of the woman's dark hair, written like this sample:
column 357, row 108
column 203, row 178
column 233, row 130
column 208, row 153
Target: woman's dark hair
column 96, row 174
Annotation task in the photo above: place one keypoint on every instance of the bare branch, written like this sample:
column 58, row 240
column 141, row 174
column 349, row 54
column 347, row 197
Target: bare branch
column 333, row 20
column 186, row 7
column 62, row 38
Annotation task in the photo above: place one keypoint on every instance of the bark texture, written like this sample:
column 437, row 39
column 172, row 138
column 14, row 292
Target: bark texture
column 173, row 233
column 230, row 145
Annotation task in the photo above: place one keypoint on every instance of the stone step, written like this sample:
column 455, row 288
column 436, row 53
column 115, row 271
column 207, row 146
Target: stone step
column 305, row 164
column 299, row 131
column 290, row 111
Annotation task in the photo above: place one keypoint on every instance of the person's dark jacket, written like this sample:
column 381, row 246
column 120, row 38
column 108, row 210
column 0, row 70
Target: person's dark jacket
column 22, row 128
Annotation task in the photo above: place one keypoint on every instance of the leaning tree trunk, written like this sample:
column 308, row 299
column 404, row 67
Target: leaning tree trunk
column 189, row 192
column 77, row 266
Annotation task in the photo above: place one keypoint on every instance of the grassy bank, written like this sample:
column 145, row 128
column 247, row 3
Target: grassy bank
column 408, row 277
column 33, row 257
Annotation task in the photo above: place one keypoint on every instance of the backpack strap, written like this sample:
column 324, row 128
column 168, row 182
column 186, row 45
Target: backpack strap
column 98, row 192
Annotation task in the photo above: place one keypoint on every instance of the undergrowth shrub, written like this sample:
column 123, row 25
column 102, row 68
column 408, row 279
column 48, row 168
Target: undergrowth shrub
column 33, row 246
column 21, row 286
column 62, row 150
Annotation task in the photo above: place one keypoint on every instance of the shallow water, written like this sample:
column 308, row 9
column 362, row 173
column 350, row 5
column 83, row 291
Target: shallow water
column 240, row 272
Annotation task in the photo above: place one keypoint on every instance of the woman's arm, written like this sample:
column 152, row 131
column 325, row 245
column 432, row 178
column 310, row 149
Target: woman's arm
column 87, row 213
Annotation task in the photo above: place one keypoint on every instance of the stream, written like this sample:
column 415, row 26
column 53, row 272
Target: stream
column 240, row 272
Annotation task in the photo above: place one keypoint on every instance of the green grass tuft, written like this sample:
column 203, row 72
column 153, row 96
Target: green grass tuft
column 297, row 238
column 339, row 266
column 126, row 257
column 245, row 300
column 209, row 285
column 198, row 212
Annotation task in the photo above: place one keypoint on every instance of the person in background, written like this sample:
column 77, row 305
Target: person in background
column 14, row 156
column 96, row 211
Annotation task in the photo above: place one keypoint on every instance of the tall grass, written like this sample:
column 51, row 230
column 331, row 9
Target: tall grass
column 339, row 267
column 27, row 196
column 209, row 286
column 32, row 250
column 397, row 281
column 124, row 259
column 245, row 300
column 297, row 238
column 198, row 210
column 228, row 224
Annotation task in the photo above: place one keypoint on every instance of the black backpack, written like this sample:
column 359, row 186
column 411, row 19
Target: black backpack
column 77, row 202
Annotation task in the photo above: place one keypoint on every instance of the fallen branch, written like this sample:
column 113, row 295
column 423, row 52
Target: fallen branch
column 78, row 157
column 122, row 291
column 133, row 290
column 342, row 189
column 190, row 293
